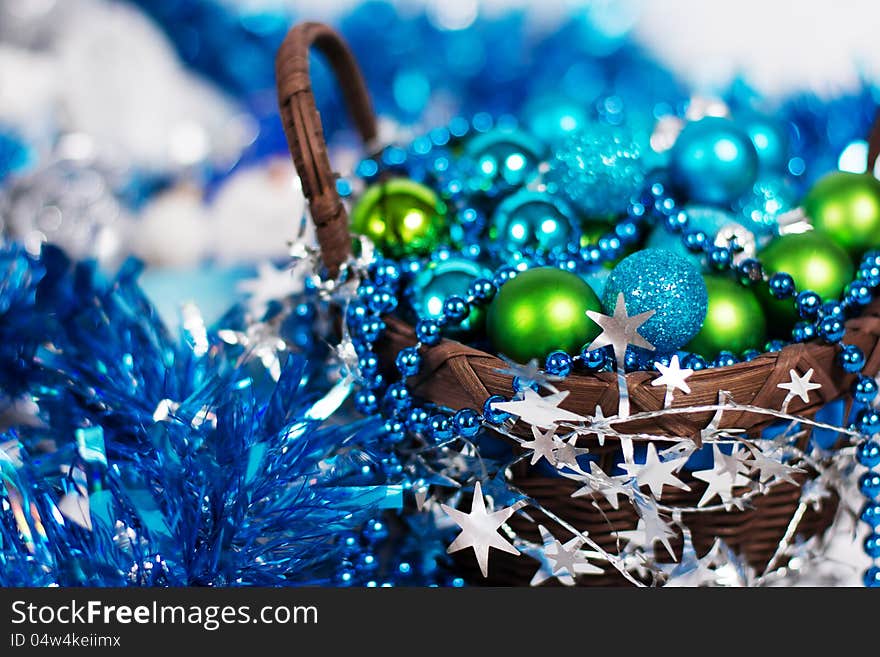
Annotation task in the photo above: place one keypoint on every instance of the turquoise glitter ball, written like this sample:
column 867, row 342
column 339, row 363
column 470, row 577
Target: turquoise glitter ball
column 598, row 169
column 660, row 280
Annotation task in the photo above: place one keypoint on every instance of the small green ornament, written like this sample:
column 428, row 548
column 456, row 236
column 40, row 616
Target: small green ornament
column 846, row 207
column 439, row 281
column 814, row 262
column 540, row 311
column 402, row 217
column 734, row 320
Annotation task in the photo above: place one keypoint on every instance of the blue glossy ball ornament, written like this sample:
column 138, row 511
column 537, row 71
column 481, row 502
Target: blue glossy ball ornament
column 417, row 420
column 494, row 416
column 466, row 422
column 770, row 139
column 870, row 514
column 868, row 421
column 865, row 389
column 558, row 363
column 658, row 280
column 851, row 358
column 552, row 117
column 428, row 331
column 440, row 428
column 533, row 219
column 872, row 545
column 503, row 157
column 781, row 285
column 869, row 485
column 868, row 453
column 598, row 169
column 832, row 329
column 808, row 304
column 694, row 362
column 456, row 309
column 439, row 281
column 871, row 578
column 397, row 397
column 366, row 402
column 714, row 161
column 408, row 361
column 594, row 360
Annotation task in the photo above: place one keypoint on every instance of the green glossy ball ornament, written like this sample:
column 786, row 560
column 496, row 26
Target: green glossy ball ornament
column 402, row 217
column 439, row 281
column 814, row 262
column 540, row 311
column 734, row 320
column 846, row 207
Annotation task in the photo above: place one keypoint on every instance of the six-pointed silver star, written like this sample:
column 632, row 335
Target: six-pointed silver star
column 543, row 412
column 479, row 529
column 655, row 473
column 544, row 445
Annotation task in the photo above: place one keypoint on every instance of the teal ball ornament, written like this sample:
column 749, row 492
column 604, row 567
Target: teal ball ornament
column 552, row 117
column 770, row 139
column 761, row 206
column 533, row 219
column 503, row 157
column 671, row 286
column 441, row 280
column 597, row 169
column 714, row 161
column 540, row 311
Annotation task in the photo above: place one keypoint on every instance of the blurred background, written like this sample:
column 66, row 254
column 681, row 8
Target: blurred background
column 149, row 127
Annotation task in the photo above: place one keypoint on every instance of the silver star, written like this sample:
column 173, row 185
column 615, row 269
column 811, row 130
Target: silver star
column 479, row 529
column 543, row 412
column 567, row 453
column 566, row 559
column 650, row 529
column 722, row 478
column 770, row 468
column 673, row 377
column 620, row 330
column 598, row 425
column 611, row 487
column 544, row 444
column 799, row 386
column 271, row 284
column 655, row 473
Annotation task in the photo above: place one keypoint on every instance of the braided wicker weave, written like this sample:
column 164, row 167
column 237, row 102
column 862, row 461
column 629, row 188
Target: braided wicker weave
column 457, row 376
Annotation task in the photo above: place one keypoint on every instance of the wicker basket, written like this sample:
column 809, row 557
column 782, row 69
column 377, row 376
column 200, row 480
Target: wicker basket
column 456, row 376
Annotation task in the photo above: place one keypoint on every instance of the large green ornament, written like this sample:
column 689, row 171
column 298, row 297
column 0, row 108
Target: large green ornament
column 402, row 217
column 439, row 281
column 814, row 262
column 734, row 320
column 540, row 311
column 846, row 207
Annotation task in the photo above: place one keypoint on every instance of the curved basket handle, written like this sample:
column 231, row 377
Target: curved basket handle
column 305, row 134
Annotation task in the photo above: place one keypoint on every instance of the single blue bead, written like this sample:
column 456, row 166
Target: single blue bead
column 374, row 382
column 869, row 485
column 870, row 275
column 408, row 361
column 518, row 384
column 417, row 420
column 394, row 430
column 397, row 396
column 365, row 402
column 808, row 304
column 725, row 359
column 677, row 221
column 627, row 231
column 593, row 360
column 851, row 358
column 504, row 274
column 428, row 331
column 832, row 329
column 386, row 272
column 859, row 293
column 695, row 241
column 456, row 309
column 440, row 428
column 558, row 363
column 694, row 362
column 832, row 309
column 375, row 530
column 781, row 285
column 870, row 514
column 610, row 246
column 871, row 577
column 482, row 289
column 774, row 345
column 750, row 354
column 750, row 272
column 490, row 414
column 367, row 289
column 868, row 453
column 382, row 301
column 865, row 389
column 719, row 257
column 803, row 331
column 356, row 311
column 466, row 423
column 368, row 364
column 872, row 545
column 868, row 421
column 871, row 258
column 372, row 328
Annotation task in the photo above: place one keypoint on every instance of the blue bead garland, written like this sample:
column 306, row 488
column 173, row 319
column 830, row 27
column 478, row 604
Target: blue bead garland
column 818, row 319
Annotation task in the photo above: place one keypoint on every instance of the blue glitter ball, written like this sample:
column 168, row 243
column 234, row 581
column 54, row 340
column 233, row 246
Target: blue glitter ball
column 597, row 169
column 714, row 160
column 658, row 280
